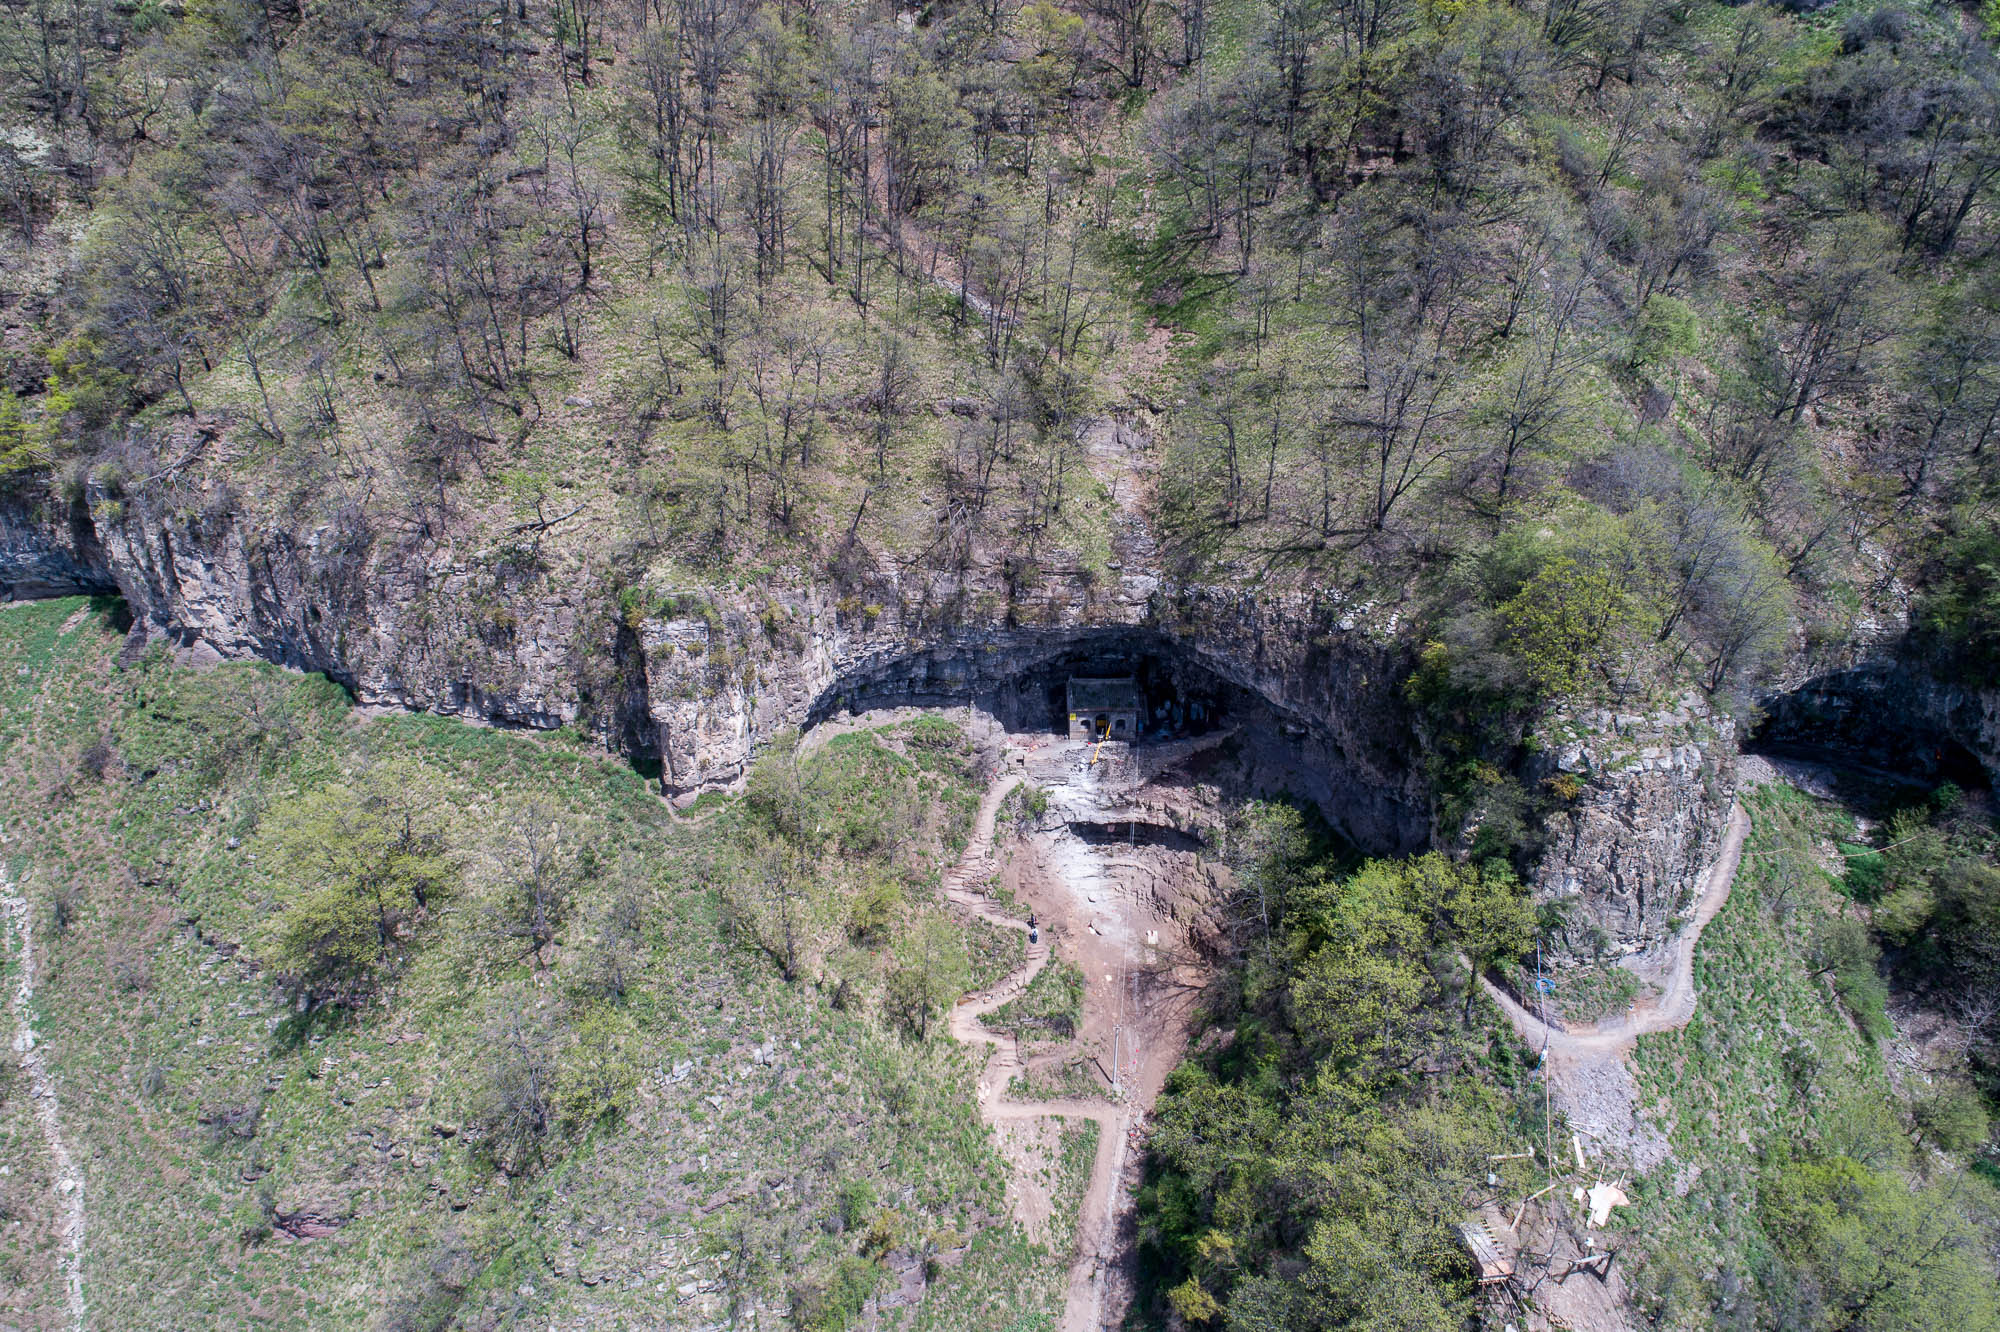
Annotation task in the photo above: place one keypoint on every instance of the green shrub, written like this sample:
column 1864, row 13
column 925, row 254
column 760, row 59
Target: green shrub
column 934, row 733
column 1867, row 871
column 1866, row 995
column 1666, row 330
column 595, row 1080
column 1951, row 1117
column 853, row 1202
column 833, row 1303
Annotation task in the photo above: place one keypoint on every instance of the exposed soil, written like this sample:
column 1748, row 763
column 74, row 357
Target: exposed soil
column 1125, row 915
column 41, row 1087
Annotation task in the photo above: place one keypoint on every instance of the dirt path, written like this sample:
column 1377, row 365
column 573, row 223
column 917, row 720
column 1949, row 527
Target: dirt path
column 41, row 1087
column 1675, row 1005
column 1588, row 1077
column 1096, row 1231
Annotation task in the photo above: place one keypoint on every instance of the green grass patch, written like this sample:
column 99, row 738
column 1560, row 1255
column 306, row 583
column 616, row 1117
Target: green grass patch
column 705, row 1113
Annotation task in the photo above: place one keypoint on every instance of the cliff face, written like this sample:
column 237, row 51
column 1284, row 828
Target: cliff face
column 716, row 688
column 49, row 548
column 432, row 635
column 1894, row 712
column 1652, row 792
column 507, row 642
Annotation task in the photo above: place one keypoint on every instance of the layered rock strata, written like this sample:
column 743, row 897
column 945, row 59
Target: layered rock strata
column 497, row 637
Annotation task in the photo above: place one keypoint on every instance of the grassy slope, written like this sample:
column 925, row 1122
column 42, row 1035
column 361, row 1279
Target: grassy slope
column 1771, row 1056
column 735, row 1166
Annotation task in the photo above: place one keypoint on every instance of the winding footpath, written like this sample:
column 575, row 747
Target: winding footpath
column 964, row 888
column 42, row 1090
column 1096, row 1238
column 1675, row 1005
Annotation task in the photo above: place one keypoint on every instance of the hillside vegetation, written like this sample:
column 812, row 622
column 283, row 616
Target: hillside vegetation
column 1581, row 353
column 1823, row 1181
column 1602, row 349
column 399, row 1023
column 1624, row 330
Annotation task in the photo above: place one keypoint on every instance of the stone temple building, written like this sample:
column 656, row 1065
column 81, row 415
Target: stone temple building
column 1107, row 709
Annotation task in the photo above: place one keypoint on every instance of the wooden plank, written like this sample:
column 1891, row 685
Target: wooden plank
column 1493, row 1265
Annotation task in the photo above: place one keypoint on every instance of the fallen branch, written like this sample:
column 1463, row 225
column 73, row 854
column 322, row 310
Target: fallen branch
column 544, row 524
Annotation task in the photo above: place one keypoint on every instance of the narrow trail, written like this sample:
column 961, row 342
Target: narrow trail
column 41, row 1088
column 1675, row 1005
column 1096, row 1240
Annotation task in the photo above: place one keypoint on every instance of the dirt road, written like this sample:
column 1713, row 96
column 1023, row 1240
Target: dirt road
column 1674, row 1006
column 1096, row 1231
column 1588, row 1078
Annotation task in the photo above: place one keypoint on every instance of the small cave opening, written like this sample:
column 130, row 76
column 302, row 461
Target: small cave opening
column 1957, row 764
column 1136, row 832
column 1857, row 720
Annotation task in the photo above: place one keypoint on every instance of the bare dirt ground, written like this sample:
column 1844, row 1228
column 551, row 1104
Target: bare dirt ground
column 1119, row 913
column 41, row 1087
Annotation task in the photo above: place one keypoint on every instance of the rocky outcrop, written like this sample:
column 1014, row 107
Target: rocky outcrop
column 696, row 683
column 1647, row 797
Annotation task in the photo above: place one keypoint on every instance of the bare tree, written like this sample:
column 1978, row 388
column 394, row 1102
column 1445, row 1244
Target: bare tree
column 537, row 874
column 1836, row 313
column 517, row 1106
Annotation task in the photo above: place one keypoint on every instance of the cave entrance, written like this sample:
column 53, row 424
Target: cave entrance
column 1111, row 684
column 1865, row 719
column 1147, row 692
column 1165, row 690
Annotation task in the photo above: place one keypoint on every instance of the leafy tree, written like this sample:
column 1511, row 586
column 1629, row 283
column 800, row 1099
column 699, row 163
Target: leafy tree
column 1951, row 1117
column 24, row 443
column 1868, row 1252
column 614, row 952
column 328, row 943
column 1308, row 1176
column 1967, row 920
column 774, row 894
column 359, row 862
column 1959, row 610
column 1491, row 917
column 1357, row 996
column 1840, row 944
column 1563, row 622
column 1268, row 849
